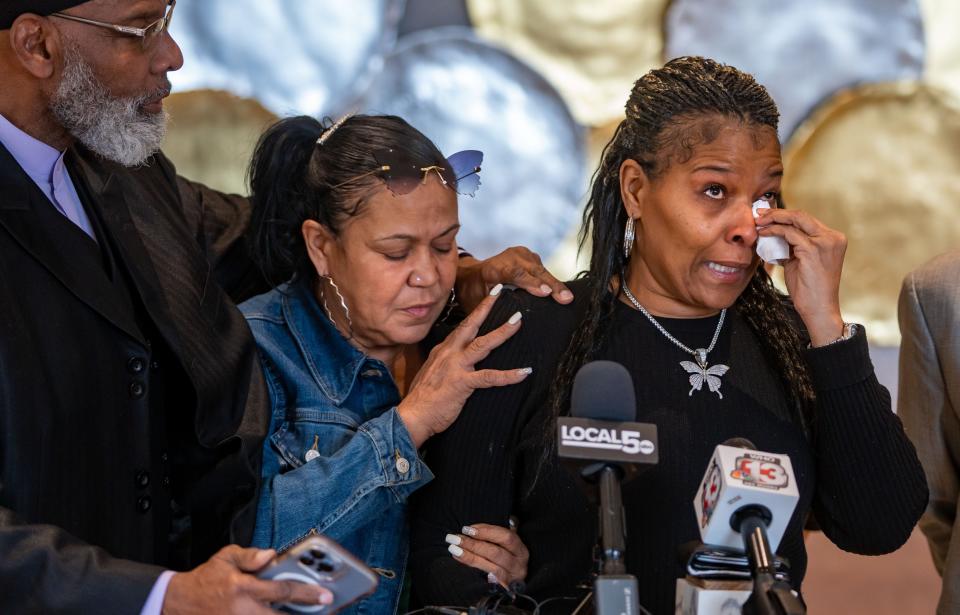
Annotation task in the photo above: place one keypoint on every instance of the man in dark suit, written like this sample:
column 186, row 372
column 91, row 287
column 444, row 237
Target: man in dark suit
column 131, row 403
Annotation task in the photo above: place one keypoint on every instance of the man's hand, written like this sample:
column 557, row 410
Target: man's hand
column 224, row 585
column 517, row 266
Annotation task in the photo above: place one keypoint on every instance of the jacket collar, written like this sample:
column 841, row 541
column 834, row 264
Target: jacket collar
column 29, row 217
column 333, row 362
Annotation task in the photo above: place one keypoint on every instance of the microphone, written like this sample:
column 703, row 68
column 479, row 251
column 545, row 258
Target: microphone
column 601, row 433
column 740, row 483
column 600, row 427
column 744, row 503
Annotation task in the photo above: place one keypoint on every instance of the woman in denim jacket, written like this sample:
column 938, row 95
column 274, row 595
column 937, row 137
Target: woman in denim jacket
column 361, row 219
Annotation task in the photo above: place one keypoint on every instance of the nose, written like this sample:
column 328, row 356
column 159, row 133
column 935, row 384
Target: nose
column 743, row 228
column 169, row 57
column 424, row 273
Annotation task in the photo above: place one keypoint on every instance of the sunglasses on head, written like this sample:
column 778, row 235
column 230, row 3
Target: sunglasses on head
column 461, row 172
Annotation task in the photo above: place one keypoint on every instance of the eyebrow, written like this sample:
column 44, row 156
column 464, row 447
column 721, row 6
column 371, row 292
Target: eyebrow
column 716, row 168
column 411, row 237
column 144, row 13
column 728, row 170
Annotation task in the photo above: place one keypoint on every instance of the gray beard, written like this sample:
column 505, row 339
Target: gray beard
column 115, row 128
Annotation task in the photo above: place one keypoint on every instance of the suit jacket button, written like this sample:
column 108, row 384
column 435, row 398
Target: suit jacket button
column 144, row 504
column 136, row 365
column 143, row 479
column 137, row 390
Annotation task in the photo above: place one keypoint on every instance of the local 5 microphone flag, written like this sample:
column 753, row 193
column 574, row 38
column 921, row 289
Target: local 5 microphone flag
column 738, row 478
column 615, row 442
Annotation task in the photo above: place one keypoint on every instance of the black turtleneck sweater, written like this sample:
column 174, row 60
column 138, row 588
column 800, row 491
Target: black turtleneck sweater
column 858, row 473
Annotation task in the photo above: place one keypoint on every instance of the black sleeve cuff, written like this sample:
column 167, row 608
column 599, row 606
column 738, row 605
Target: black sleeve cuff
column 840, row 364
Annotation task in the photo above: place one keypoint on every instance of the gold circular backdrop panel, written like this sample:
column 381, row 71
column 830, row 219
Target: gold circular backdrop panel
column 880, row 163
column 590, row 50
column 212, row 135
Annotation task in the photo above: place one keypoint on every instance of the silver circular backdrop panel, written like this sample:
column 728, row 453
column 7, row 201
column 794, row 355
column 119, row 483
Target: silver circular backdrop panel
column 802, row 50
column 294, row 56
column 464, row 93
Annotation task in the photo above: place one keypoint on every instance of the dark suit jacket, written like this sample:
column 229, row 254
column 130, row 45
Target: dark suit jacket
column 112, row 410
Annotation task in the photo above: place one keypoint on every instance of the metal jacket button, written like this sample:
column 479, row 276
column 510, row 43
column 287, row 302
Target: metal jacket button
column 143, row 479
column 136, row 365
column 144, row 504
column 137, row 390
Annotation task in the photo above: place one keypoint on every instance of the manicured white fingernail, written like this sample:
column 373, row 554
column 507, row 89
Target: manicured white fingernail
column 496, row 290
column 455, row 550
column 515, row 318
column 469, row 531
column 525, row 371
column 453, row 539
column 492, row 578
column 326, row 598
column 545, row 288
column 566, row 295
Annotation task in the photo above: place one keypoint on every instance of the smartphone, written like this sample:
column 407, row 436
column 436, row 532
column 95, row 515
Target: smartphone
column 319, row 560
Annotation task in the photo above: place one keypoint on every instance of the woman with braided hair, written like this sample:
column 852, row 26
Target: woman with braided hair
column 674, row 277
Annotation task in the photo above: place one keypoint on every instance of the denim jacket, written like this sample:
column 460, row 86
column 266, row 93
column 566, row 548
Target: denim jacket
column 329, row 397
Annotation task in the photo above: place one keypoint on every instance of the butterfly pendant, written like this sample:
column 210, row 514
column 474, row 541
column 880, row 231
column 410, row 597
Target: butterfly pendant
column 700, row 373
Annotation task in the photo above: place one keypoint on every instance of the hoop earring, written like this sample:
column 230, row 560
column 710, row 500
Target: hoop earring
column 628, row 237
column 343, row 302
column 452, row 303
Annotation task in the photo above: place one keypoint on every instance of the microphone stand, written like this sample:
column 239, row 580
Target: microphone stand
column 615, row 591
column 769, row 596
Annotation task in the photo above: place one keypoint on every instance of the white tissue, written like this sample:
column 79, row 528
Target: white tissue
column 773, row 250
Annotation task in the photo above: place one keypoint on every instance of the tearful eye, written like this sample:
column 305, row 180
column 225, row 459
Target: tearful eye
column 395, row 257
column 714, row 192
column 771, row 197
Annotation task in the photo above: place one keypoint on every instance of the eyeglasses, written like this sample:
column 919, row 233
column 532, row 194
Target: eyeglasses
column 402, row 176
column 148, row 35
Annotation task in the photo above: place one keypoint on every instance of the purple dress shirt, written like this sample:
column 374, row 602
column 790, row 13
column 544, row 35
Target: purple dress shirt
column 45, row 167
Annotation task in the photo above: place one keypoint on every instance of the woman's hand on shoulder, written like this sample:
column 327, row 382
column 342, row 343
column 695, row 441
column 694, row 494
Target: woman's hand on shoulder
column 813, row 272
column 448, row 378
column 496, row 550
column 517, row 266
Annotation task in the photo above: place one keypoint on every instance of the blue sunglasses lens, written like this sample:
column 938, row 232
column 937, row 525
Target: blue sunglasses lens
column 465, row 166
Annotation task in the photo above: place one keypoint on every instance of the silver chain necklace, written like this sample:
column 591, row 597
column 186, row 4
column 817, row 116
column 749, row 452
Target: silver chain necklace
column 699, row 372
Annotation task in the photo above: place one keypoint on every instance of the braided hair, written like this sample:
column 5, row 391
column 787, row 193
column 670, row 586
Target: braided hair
column 665, row 106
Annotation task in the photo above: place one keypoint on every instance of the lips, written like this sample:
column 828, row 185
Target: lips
column 719, row 268
column 727, row 270
column 419, row 311
column 154, row 103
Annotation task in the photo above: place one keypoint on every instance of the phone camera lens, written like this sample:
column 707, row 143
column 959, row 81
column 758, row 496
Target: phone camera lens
column 324, row 567
column 317, row 553
column 306, row 560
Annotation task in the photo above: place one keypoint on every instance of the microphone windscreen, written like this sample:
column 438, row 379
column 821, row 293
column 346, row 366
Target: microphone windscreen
column 603, row 390
column 740, row 443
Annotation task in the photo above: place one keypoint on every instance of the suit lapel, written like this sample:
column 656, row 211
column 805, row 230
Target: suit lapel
column 115, row 200
column 32, row 221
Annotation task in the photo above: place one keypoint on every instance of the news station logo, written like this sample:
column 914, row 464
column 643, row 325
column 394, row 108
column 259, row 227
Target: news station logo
column 760, row 471
column 711, row 492
column 625, row 440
